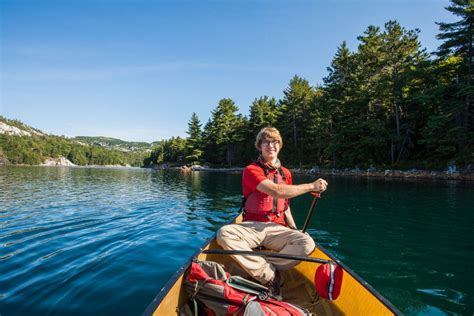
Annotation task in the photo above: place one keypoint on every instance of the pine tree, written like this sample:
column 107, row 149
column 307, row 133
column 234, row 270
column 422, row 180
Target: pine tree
column 458, row 42
column 264, row 112
column 295, row 110
column 439, row 131
column 339, row 94
column 224, row 132
column 385, row 59
column 194, row 150
column 401, row 50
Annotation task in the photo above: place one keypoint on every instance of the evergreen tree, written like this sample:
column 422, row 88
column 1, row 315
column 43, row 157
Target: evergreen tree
column 77, row 156
column 458, row 42
column 224, row 132
column 440, row 132
column 402, row 53
column 339, row 96
column 264, row 112
column 385, row 59
column 194, row 150
column 318, row 129
column 295, row 110
column 174, row 149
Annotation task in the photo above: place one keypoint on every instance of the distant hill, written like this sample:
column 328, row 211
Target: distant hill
column 17, row 128
column 113, row 143
column 23, row 144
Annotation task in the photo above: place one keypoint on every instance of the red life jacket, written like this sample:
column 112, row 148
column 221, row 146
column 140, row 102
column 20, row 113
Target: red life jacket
column 261, row 207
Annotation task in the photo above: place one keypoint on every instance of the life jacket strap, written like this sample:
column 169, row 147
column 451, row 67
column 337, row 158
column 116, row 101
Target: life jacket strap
column 242, row 205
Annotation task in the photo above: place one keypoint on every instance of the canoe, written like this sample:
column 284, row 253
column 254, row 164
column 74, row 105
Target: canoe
column 357, row 297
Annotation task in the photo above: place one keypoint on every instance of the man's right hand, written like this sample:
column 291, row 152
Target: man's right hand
column 319, row 185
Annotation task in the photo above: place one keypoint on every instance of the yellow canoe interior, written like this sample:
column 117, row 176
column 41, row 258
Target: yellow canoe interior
column 356, row 297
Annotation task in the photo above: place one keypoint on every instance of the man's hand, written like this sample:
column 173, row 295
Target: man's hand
column 319, row 185
column 286, row 191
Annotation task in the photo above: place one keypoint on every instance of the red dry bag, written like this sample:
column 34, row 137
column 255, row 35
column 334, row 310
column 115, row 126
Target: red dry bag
column 328, row 280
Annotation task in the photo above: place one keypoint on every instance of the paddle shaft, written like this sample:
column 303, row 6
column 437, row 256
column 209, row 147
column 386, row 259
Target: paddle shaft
column 264, row 254
column 310, row 212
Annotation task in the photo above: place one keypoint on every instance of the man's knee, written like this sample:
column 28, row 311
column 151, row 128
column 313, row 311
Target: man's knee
column 305, row 243
column 309, row 245
column 302, row 243
column 225, row 234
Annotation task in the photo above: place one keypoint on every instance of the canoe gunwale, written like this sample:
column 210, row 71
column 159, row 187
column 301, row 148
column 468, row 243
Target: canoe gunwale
column 174, row 278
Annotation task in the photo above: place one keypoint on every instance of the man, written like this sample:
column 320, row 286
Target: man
column 268, row 221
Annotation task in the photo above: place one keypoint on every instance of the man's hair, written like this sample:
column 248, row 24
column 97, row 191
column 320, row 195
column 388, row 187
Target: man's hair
column 268, row 133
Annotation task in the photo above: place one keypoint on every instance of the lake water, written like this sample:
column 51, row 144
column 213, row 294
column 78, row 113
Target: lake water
column 104, row 241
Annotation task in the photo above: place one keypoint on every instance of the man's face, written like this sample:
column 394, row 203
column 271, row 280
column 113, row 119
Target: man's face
column 270, row 148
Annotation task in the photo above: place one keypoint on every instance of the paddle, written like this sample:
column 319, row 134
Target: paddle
column 264, row 254
column 311, row 209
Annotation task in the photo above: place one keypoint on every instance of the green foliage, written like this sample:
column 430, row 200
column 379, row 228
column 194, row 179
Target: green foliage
column 172, row 150
column 224, row 134
column 458, row 42
column 194, row 151
column 295, row 119
column 34, row 150
column 264, row 112
column 457, row 36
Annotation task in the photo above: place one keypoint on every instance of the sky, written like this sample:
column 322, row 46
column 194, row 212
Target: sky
column 137, row 70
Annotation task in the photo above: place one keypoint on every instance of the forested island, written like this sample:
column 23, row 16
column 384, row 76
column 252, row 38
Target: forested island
column 389, row 104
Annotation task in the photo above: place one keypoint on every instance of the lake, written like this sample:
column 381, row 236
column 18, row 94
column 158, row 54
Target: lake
column 104, row 241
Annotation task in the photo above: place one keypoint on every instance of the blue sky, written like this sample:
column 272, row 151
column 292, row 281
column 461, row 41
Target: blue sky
column 136, row 70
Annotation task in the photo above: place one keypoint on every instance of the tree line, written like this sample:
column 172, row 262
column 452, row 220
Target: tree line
column 388, row 103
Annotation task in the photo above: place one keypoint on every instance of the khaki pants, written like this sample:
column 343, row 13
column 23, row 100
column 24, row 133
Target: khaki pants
column 248, row 235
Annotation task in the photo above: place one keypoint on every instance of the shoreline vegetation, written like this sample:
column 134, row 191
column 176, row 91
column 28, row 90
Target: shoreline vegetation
column 449, row 174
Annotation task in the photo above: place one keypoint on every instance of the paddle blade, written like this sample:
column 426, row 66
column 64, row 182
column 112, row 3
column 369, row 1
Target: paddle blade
column 328, row 280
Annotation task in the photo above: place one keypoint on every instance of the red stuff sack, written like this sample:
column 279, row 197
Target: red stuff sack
column 328, row 280
column 213, row 291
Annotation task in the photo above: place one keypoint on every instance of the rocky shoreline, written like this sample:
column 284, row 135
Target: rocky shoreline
column 449, row 174
column 388, row 173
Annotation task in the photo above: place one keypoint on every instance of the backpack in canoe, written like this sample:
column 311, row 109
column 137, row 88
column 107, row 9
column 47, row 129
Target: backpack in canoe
column 213, row 291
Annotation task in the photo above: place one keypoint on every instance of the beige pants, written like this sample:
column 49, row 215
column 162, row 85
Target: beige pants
column 248, row 235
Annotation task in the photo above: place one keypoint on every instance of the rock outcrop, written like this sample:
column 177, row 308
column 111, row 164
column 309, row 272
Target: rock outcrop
column 3, row 160
column 12, row 130
column 61, row 161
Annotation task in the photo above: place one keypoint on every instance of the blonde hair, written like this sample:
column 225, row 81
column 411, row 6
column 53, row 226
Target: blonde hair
column 268, row 132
